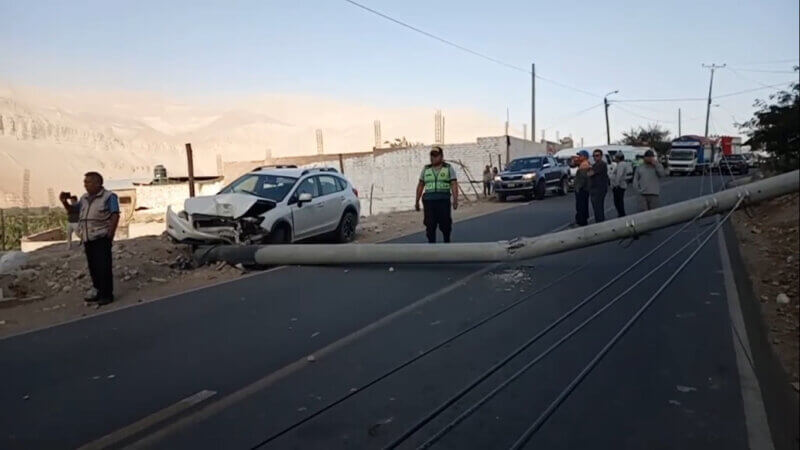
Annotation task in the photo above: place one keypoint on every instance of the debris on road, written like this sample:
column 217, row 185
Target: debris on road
column 685, row 389
column 311, row 358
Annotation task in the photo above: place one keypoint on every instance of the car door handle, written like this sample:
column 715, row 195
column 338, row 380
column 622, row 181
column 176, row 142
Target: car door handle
column 320, row 205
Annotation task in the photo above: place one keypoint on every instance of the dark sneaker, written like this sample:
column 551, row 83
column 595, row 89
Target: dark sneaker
column 104, row 300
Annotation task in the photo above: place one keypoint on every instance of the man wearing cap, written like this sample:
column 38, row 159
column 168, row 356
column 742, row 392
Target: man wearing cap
column 582, row 189
column 437, row 183
column 646, row 181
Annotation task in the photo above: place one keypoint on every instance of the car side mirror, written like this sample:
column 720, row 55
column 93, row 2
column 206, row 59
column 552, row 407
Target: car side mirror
column 305, row 197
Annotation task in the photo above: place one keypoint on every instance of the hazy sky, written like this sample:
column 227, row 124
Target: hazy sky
column 332, row 48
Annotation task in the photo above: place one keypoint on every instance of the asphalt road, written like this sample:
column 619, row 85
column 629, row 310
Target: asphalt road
column 671, row 382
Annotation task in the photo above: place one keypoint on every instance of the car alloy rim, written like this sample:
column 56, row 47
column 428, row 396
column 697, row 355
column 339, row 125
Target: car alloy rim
column 349, row 230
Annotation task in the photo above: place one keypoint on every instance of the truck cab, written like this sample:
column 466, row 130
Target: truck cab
column 690, row 155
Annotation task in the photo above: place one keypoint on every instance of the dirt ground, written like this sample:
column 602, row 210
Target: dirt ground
column 50, row 287
column 768, row 240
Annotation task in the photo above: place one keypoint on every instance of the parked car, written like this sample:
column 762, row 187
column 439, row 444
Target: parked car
column 735, row 163
column 532, row 177
column 271, row 205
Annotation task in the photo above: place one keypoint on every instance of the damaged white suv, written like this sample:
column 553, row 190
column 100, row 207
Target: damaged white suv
column 281, row 204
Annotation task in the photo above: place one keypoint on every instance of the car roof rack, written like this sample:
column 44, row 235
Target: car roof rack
column 278, row 166
column 319, row 169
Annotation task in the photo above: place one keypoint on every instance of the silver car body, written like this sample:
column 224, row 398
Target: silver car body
column 242, row 217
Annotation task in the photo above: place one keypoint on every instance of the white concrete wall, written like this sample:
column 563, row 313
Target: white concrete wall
column 393, row 176
column 157, row 197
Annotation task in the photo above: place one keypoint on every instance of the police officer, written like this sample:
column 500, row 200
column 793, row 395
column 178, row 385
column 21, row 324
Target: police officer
column 437, row 183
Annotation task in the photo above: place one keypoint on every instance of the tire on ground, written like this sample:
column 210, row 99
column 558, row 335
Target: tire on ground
column 346, row 231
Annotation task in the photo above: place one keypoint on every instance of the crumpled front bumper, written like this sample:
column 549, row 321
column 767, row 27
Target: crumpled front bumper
column 182, row 230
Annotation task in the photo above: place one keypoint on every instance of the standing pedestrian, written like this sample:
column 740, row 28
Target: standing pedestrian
column 487, row 181
column 437, row 183
column 619, row 182
column 582, row 189
column 646, row 181
column 598, row 185
column 70, row 203
column 97, row 224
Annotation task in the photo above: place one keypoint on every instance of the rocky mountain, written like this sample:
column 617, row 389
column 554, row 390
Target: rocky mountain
column 59, row 136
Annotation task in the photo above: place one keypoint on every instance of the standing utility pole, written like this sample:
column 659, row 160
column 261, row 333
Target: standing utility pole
column 679, row 123
column 377, row 125
column 320, row 149
column 608, row 129
column 533, row 102
column 190, row 165
column 710, row 85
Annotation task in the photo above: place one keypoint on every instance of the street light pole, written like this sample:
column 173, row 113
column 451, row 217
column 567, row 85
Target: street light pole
column 608, row 129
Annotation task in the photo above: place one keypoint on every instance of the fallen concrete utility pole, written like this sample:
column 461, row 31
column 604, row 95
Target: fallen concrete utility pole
column 520, row 248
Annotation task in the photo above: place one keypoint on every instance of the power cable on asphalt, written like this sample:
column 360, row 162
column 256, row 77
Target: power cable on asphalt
column 525, row 437
column 474, row 407
column 418, row 356
column 438, row 410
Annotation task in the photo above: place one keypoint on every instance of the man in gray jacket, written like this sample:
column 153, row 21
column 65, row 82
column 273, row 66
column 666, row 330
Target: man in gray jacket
column 619, row 182
column 646, row 181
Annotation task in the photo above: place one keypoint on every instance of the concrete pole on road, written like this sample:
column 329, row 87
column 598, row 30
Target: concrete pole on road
column 523, row 248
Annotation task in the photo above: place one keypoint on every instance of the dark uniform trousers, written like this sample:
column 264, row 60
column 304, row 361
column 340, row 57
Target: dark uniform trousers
column 582, row 207
column 437, row 214
column 98, row 257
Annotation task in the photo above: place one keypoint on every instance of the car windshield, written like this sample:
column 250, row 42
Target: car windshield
column 518, row 165
column 681, row 155
column 272, row 187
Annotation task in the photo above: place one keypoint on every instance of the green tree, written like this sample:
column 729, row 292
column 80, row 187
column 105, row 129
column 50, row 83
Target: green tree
column 652, row 136
column 774, row 128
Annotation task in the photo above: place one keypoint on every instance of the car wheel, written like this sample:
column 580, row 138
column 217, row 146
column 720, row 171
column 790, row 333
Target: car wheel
column 346, row 232
column 501, row 197
column 280, row 235
column 540, row 190
column 564, row 187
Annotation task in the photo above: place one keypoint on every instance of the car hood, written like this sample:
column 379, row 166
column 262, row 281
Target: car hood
column 519, row 172
column 224, row 205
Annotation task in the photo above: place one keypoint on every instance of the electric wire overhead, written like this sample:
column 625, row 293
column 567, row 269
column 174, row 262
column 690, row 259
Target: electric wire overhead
column 469, row 50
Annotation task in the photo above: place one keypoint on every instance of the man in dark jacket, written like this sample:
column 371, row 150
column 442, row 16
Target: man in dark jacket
column 598, row 185
column 582, row 189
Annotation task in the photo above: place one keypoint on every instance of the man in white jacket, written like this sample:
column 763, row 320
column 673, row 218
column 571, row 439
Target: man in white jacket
column 619, row 182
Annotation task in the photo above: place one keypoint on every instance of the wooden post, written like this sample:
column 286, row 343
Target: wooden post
column 371, row 188
column 190, row 163
column 2, row 230
column 341, row 164
column 499, row 163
